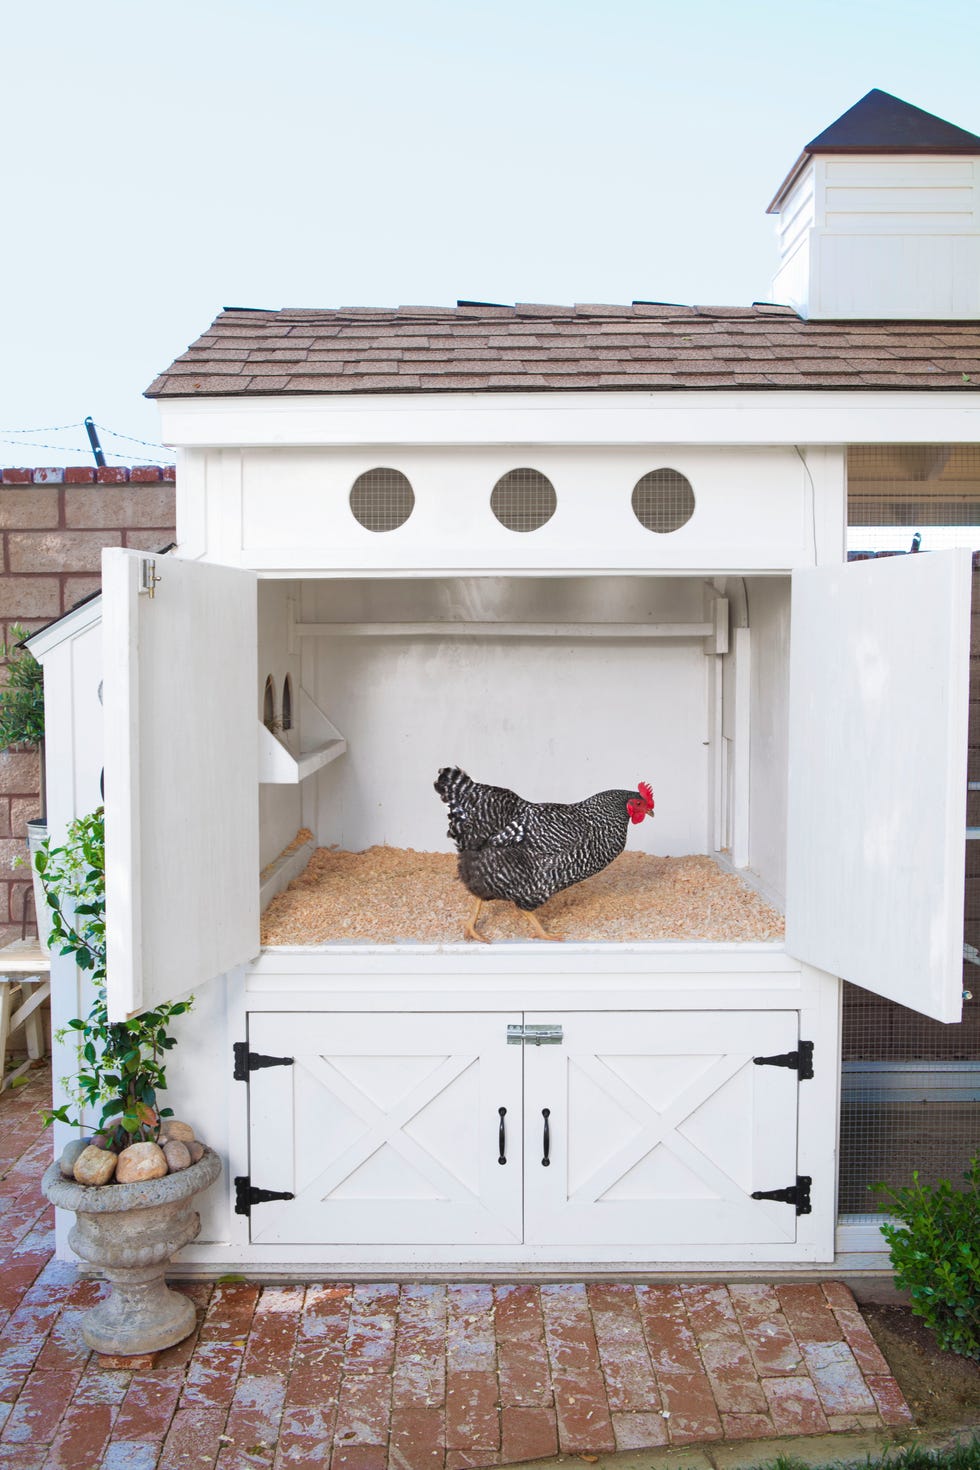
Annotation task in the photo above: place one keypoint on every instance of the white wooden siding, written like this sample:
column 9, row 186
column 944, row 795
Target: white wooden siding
column 882, row 237
column 752, row 510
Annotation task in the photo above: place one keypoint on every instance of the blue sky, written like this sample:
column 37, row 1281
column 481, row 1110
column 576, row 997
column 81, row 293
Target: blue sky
column 164, row 161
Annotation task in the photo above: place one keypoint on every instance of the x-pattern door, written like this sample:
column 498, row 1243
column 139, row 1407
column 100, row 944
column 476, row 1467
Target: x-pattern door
column 387, row 1128
column 660, row 1127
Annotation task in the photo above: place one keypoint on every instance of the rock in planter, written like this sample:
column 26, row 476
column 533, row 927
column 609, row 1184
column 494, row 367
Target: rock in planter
column 177, row 1154
column 141, row 1161
column 94, row 1166
column 174, row 1128
column 129, row 1232
column 70, row 1153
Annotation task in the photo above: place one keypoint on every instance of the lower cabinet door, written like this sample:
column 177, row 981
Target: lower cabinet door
column 387, row 1129
column 659, row 1127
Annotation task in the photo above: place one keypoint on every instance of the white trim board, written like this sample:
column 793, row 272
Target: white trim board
column 664, row 419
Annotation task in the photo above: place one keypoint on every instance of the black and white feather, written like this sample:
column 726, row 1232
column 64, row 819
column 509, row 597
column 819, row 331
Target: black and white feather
column 526, row 851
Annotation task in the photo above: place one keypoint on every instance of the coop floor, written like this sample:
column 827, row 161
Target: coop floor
column 391, row 895
column 385, row 1377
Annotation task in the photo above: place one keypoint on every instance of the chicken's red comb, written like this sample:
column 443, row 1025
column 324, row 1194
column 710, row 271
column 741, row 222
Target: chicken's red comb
column 646, row 791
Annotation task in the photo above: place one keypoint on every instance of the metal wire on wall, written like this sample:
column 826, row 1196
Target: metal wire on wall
column 663, row 500
column 382, row 499
column 523, row 500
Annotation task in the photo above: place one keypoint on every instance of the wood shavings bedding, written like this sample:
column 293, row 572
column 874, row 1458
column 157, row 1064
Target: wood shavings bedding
column 388, row 895
column 303, row 835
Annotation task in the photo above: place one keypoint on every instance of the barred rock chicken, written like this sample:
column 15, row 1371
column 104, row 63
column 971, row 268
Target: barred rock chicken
column 525, row 851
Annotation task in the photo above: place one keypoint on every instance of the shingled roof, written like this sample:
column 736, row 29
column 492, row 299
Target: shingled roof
column 484, row 348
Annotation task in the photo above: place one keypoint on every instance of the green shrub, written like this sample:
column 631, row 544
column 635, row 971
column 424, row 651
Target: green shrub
column 121, row 1064
column 22, row 697
column 935, row 1254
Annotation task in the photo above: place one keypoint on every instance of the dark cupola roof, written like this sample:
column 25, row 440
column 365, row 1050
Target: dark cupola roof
column 881, row 123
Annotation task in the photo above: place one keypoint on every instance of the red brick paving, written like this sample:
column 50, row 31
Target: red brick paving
column 415, row 1376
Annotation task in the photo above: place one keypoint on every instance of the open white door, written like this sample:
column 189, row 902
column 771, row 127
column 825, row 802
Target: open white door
column 879, row 689
column 181, row 775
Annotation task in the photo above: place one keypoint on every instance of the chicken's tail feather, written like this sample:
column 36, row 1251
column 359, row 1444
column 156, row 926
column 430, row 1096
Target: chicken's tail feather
column 452, row 783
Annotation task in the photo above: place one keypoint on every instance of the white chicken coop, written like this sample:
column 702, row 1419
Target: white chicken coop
column 567, row 549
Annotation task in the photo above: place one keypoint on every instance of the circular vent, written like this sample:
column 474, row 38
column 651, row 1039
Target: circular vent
column 382, row 500
column 663, row 500
column 522, row 500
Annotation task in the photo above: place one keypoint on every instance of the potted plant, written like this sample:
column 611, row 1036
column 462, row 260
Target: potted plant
column 129, row 1229
column 22, row 725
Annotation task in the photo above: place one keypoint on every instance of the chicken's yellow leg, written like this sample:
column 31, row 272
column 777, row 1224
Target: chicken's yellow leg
column 470, row 929
column 536, row 925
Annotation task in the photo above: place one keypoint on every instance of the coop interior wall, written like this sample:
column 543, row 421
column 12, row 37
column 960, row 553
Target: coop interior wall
column 768, row 616
column 553, row 717
column 280, row 807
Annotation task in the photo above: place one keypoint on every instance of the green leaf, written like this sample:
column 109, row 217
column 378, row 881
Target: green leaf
column 934, row 1258
column 120, row 1063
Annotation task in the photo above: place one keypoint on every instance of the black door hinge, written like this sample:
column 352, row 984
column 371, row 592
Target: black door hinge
column 801, row 1061
column 250, row 1061
column 797, row 1194
column 246, row 1195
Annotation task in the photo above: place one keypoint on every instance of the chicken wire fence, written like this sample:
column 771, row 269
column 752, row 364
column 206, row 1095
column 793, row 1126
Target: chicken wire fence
column 895, row 491
column 911, row 1086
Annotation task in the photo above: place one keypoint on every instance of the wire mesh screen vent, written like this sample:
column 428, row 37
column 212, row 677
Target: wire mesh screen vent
column 914, row 485
column 910, row 1096
column 382, row 499
column 663, row 500
column 523, row 500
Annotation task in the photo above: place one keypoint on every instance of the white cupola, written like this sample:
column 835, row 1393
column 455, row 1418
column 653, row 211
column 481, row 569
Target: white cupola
column 879, row 218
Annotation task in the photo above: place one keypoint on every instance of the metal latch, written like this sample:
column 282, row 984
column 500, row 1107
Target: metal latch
column 538, row 1035
column 148, row 576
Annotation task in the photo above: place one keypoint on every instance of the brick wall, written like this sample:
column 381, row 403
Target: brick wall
column 53, row 526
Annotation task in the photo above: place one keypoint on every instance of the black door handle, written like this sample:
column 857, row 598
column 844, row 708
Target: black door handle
column 546, row 1114
column 502, row 1136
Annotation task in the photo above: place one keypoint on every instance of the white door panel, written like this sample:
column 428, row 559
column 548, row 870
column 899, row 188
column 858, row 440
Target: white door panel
column 879, row 689
column 181, row 776
column 661, row 1126
column 386, row 1129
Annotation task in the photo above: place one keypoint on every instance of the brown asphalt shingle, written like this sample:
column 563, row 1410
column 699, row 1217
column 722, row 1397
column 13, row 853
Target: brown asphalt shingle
column 549, row 348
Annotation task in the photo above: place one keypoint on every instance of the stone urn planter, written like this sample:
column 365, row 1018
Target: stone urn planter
column 129, row 1232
